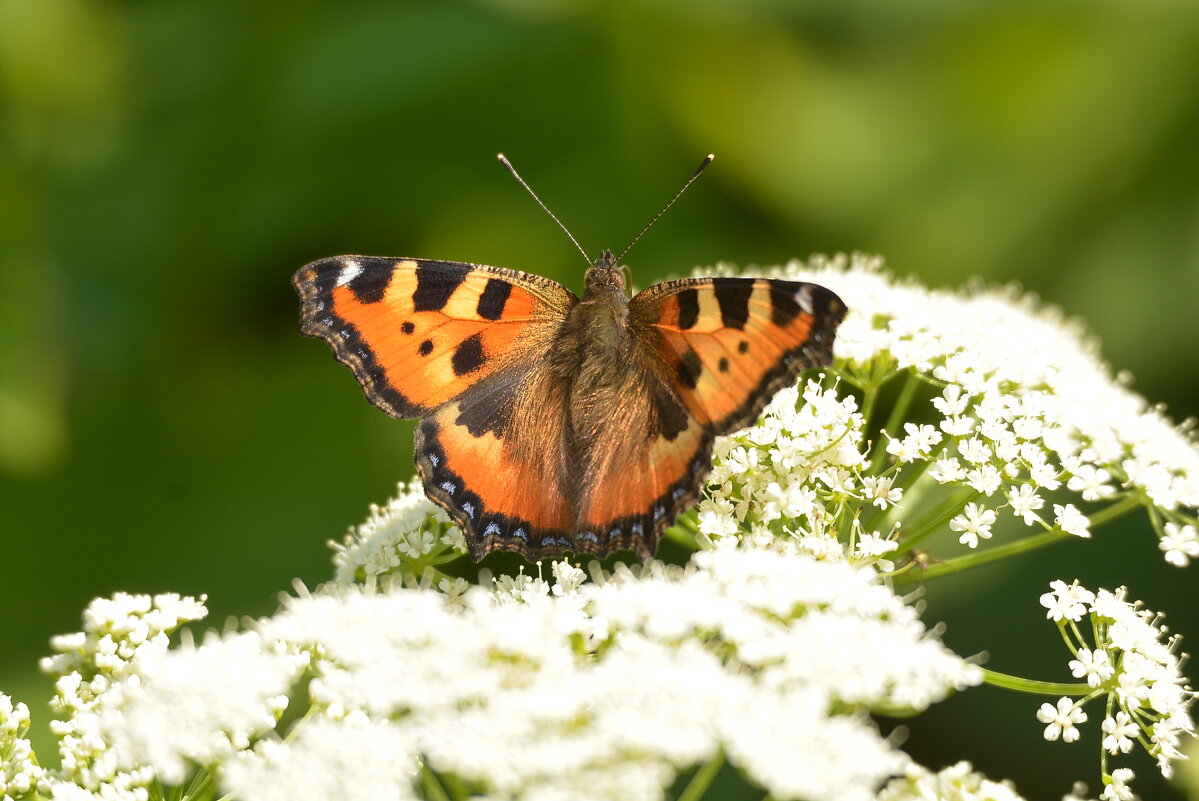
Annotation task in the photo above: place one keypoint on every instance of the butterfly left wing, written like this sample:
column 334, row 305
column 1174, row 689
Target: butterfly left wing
column 720, row 349
column 418, row 332
column 460, row 346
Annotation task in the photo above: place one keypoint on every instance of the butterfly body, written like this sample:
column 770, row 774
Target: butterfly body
column 553, row 424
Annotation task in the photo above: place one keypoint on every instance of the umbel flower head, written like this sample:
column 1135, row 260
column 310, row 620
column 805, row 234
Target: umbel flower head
column 977, row 423
column 584, row 690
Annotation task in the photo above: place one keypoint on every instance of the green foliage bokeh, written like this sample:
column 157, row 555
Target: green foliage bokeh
column 166, row 166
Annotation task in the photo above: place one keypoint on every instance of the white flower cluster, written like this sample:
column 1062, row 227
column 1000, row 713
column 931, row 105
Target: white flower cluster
column 1133, row 665
column 1022, row 407
column 406, row 535
column 779, row 477
column 19, row 771
column 958, row 782
column 570, row 690
column 117, row 633
column 198, row 704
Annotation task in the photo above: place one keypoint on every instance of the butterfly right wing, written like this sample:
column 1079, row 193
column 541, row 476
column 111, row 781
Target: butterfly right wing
column 732, row 343
column 713, row 353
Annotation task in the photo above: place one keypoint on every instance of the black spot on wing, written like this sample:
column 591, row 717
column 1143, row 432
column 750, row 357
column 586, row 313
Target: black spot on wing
column 743, row 346
column 672, row 416
column 688, row 308
column 732, row 294
column 425, row 348
column 468, row 356
column 435, row 283
column 407, row 327
column 690, row 368
column 816, row 350
column 487, row 405
column 493, row 299
column 724, row 364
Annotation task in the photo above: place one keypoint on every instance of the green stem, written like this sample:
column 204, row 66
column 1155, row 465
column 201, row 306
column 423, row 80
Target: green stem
column 433, row 789
column 685, row 530
column 907, row 479
column 1008, row 682
column 703, row 778
column 978, row 558
column 869, row 396
column 898, row 412
column 1117, row 509
column 202, row 786
column 1049, row 537
column 948, row 509
column 1107, row 713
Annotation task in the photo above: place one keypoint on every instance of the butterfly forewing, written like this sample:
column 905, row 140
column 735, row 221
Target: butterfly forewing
column 731, row 343
column 418, row 332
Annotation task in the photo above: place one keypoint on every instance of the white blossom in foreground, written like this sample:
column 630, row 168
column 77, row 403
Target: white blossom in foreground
column 539, row 689
column 958, row 782
column 198, row 703
column 117, row 632
column 1180, row 544
column 1117, row 786
column 1063, row 720
column 322, row 757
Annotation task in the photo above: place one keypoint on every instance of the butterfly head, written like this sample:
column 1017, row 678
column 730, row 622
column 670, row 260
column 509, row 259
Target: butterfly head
column 606, row 273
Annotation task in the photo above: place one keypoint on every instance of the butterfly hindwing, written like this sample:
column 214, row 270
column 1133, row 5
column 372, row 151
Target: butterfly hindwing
column 498, row 477
column 645, row 486
column 731, row 343
column 418, row 332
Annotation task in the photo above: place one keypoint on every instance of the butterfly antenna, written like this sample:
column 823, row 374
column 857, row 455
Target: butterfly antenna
column 666, row 208
column 504, row 160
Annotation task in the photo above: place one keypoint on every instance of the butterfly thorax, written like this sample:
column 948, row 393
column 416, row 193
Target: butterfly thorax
column 603, row 314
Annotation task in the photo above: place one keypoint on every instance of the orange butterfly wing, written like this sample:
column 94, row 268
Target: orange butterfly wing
column 731, row 343
column 418, row 332
column 724, row 347
column 458, row 345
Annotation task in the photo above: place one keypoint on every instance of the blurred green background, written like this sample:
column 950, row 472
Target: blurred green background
column 165, row 166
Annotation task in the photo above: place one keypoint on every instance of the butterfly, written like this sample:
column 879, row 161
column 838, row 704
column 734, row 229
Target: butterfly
column 550, row 423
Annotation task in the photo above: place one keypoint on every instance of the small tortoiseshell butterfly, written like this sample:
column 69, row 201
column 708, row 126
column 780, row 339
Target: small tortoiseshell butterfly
column 551, row 424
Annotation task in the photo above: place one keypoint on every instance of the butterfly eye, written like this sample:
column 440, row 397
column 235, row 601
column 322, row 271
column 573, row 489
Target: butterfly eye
column 626, row 276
